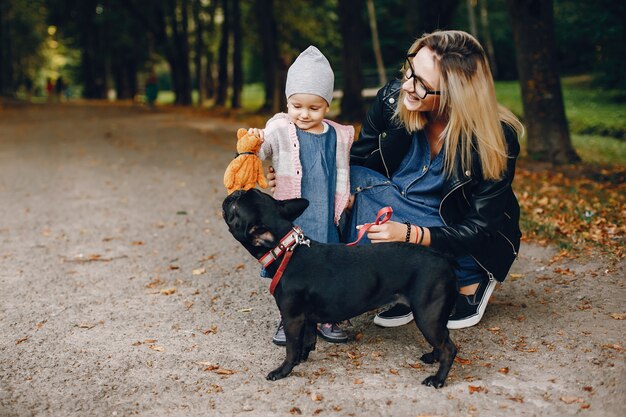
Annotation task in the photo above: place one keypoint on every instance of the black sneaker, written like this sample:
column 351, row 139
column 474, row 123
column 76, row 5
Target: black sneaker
column 397, row 315
column 279, row 337
column 469, row 309
column 331, row 332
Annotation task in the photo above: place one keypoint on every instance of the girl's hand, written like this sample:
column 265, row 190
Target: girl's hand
column 271, row 179
column 386, row 232
column 257, row 132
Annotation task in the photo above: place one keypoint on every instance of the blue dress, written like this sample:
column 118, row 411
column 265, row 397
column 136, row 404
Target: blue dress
column 318, row 157
column 414, row 192
column 319, row 177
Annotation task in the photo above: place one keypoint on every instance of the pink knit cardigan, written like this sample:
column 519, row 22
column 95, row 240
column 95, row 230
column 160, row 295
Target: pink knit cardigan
column 282, row 145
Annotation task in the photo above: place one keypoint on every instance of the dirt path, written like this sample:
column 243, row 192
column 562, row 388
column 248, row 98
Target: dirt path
column 122, row 293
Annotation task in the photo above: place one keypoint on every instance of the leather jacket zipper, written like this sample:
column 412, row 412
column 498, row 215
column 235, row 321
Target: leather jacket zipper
column 489, row 274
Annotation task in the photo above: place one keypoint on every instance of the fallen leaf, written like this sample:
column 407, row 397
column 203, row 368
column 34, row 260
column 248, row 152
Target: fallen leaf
column 394, row 371
column 136, row 243
column 168, row 291
column 585, row 406
column 571, row 399
column 244, row 310
column 157, row 348
column 503, row 370
column 462, row 361
column 618, row 316
column 136, row 343
column 358, row 337
column 516, row 276
column 588, row 389
column 358, row 381
column 23, row 339
column 212, row 330
column 295, row 410
column 222, row 371
column 517, row 399
column 239, row 267
column 150, row 341
column 416, row 365
column 316, row 397
column 473, row 388
column 85, row 326
column 614, row 346
column 198, row 271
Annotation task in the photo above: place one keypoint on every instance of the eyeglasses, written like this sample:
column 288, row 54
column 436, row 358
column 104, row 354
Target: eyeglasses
column 418, row 86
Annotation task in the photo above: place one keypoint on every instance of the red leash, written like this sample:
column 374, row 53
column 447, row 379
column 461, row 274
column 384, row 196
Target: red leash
column 384, row 212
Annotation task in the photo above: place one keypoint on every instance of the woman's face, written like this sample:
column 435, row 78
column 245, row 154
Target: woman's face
column 424, row 76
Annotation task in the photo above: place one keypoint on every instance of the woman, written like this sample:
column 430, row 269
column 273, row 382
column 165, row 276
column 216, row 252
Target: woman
column 438, row 148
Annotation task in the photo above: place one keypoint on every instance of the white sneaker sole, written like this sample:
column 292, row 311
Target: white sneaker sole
column 475, row 319
column 394, row 322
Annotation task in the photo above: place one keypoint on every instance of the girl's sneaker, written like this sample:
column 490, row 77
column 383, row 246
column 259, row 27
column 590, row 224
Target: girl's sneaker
column 397, row 315
column 279, row 337
column 331, row 332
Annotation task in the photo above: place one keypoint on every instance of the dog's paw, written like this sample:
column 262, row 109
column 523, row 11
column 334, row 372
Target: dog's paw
column 433, row 381
column 276, row 374
column 428, row 358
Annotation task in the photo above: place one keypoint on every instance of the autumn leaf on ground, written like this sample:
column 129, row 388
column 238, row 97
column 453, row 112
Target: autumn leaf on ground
column 473, row 388
column 462, row 361
column 22, row 340
column 618, row 316
column 212, row 330
column 157, row 348
column 571, row 399
column 168, row 291
column 198, row 271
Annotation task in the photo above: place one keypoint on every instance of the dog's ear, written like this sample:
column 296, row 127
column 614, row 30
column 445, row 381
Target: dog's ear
column 293, row 208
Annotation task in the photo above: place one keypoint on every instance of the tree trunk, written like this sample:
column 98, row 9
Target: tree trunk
column 544, row 113
column 210, row 56
column 380, row 66
column 471, row 17
column 426, row 16
column 199, row 48
column 237, row 61
column 352, row 30
column 222, row 75
column 272, row 65
column 487, row 40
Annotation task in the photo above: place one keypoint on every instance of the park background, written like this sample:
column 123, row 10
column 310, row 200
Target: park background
column 121, row 291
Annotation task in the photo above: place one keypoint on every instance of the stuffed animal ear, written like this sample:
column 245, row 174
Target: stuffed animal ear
column 293, row 208
column 241, row 132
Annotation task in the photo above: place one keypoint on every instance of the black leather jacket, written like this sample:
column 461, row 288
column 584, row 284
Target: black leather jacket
column 481, row 217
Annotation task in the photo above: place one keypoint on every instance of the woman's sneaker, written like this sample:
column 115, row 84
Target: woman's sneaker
column 469, row 309
column 331, row 332
column 398, row 315
column 279, row 337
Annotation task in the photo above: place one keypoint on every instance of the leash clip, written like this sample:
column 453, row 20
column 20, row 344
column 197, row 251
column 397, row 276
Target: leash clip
column 300, row 239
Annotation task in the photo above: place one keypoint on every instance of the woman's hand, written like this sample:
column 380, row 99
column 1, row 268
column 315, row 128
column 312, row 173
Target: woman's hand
column 386, row 232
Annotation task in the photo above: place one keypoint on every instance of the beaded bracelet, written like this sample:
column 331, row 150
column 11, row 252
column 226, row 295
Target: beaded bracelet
column 408, row 231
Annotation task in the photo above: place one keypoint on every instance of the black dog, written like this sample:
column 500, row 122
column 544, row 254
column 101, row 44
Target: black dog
column 328, row 283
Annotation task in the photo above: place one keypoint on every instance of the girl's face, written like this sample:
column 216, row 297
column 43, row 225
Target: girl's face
column 421, row 77
column 307, row 111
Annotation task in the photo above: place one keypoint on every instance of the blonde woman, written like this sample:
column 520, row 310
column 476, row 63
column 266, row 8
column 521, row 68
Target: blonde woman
column 438, row 148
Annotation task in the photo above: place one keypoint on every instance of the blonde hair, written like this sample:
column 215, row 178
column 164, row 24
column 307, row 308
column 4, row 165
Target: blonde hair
column 467, row 101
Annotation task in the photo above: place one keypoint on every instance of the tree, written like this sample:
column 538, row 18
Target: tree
column 542, row 97
column 273, row 68
column 237, row 60
column 352, row 26
column 222, row 74
column 427, row 16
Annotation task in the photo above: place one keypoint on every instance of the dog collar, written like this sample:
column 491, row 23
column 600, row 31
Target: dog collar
column 288, row 243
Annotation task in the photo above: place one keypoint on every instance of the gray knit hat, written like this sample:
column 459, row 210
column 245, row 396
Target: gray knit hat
column 311, row 73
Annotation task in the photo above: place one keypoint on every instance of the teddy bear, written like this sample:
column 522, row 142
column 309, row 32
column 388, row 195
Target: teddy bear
column 245, row 170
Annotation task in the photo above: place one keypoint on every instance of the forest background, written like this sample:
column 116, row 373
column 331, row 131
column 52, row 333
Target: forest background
column 558, row 64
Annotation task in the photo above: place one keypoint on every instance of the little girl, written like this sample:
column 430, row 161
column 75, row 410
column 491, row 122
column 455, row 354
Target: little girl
column 310, row 156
